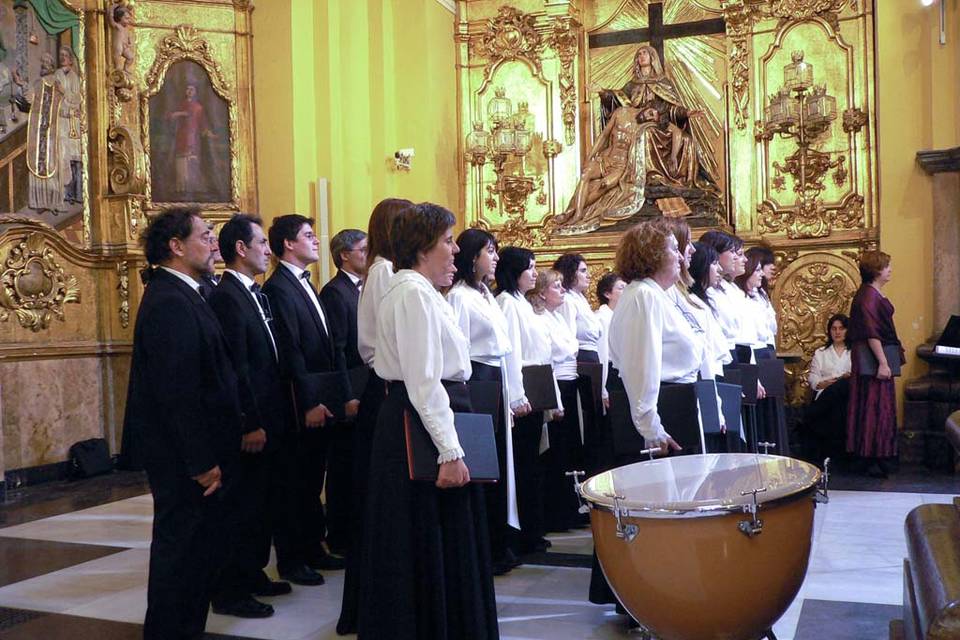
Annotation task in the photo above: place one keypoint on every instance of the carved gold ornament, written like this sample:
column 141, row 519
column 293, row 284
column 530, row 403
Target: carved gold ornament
column 511, row 35
column 33, row 286
column 123, row 287
column 854, row 120
column 126, row 161
column 565, row 40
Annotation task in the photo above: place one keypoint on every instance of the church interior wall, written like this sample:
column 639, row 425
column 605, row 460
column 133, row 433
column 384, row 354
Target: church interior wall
column 339, row 87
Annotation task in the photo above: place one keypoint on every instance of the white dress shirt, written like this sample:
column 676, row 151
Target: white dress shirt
column 482, row 321
column 651, row 342
column 374, row 288
column 530, row 341
column 578, row 314
column 826, row 364
column 604, row 313
column 717, row 352
column 420, row 344
column 755, row 327
column 563, row 345
column 247, row 283
column 193, row 284
column 311, row 293
column 728, row 305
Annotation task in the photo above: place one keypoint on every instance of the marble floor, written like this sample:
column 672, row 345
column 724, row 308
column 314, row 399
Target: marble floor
column 82, row 574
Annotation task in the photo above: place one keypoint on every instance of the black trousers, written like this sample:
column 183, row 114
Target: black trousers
column 339, row 484
column 283, row 518
column 186, row 553
column 825, row 422
column 311, row 468
column 246, row 525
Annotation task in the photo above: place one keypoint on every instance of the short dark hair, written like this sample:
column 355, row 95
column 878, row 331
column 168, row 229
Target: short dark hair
column 704, row 255
column 239, row 227
column 845, row 321
column 567, row 265
column 721, row 241
column 175, row 222
column 472, row 243
column 606, row 285
column 416, row 231
column 871, row 264
column 345, row 240
column 513, row 262
column 286, row 228
column 378, row 228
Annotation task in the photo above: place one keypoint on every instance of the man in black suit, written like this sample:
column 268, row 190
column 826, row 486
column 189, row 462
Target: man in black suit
column 261, row 503
column 340, row 296
column 315, row 365
column 183, row 404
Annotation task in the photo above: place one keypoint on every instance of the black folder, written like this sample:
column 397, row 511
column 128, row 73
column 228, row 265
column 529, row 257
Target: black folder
column 593, row 371
column 475, row 432
column 709, row 411
column 773, row 377
column 746, row 375
column 539, row 387
column 867, row 362
column 730, row 398
column 742, row 353
column 486, row 396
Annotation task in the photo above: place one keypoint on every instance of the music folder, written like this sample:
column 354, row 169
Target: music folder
column 475, row 432
column 773, row 377
column 868, row 364
column 730, row 398
column 594, row 371
column 539, row 387
column 746, row 375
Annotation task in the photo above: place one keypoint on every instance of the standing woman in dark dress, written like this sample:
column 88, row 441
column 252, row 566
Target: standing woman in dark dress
column 379, row 273
column 872, row 413
column 426, row 557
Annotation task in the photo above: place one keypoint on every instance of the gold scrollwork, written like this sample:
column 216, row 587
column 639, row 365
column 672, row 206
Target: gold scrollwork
column 126, row 164
column 805, row 9
column 186, row 43
column 565, row 40
column 34, row 286
column 814, row 287
column 740, row 16
column 511, row 35
column 854, row 120
column 123, row 287
column 809, row 218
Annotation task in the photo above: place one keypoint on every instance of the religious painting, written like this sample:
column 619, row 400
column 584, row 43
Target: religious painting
column 42, row 117
column 189, row 139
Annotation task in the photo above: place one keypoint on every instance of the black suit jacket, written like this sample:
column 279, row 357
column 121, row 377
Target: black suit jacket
column 265, row 396
column 183, row 400
column 341, row 297
column 305, row 346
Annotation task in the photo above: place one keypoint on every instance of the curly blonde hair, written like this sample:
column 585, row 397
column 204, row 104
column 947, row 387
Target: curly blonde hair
column 545, row 278
column 642, row 250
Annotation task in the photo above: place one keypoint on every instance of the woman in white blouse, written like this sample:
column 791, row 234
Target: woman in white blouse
column 485, row 326
column 826, row 417
column 516, row 274
column 768, row 270
column 379, row 273
column 410, row 589
column 565, row 452
column 727, row 299
column 609, row 288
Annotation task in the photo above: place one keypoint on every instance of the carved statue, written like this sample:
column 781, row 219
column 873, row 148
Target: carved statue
column 647, row 141
column 124, row 50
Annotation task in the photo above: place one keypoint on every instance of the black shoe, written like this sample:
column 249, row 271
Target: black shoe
column 542, row 545
column 304, row 576
column 272, row 588
column 246, row 607
column 327, row 562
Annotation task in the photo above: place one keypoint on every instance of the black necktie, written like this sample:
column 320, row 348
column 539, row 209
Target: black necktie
column 205, row 290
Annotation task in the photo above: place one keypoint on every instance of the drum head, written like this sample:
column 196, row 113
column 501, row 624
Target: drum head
column 700, row 483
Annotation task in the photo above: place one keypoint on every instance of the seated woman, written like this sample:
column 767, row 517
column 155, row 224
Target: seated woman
column 411, row 587
column 826, row 418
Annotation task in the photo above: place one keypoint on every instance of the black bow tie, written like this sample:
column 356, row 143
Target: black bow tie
column 255, row 287
column 305, row 275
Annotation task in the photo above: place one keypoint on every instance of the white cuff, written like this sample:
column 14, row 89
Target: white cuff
column 450, row 455
column 517, row 403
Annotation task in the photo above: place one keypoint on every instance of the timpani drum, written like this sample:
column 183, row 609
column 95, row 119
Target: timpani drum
column 705, row 547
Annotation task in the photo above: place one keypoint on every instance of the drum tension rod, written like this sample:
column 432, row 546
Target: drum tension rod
column 822, row 495
column 650, row 452
column 766, row 446
column 576, row 475
column 754, row 526
column 624, row 531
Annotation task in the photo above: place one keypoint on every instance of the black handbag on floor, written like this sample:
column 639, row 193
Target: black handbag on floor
column 90, row 458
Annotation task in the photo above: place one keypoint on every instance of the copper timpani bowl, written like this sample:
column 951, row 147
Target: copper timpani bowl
column 693, row 553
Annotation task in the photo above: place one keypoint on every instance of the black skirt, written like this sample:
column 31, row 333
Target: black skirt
column 373, row 396
column 565, row 454
column 496, row 492
column 426, row 571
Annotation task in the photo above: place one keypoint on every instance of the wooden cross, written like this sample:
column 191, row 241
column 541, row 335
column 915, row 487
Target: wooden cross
column 656, row 32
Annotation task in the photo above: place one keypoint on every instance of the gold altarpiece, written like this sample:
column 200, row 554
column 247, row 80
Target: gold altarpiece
column 794, row 160
column 69, row 290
